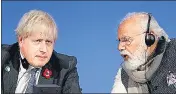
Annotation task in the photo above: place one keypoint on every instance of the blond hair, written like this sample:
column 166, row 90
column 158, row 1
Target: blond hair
column 33, row 17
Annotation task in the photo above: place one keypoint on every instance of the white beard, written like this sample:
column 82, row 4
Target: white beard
column 136, row 59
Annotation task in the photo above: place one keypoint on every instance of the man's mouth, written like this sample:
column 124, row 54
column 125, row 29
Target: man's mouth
column 41, row 57
column 125, row 56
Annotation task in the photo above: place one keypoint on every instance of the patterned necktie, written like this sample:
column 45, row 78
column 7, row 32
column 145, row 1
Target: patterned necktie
column 32, row 81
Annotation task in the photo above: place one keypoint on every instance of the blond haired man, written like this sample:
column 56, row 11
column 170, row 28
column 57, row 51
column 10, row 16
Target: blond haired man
column 32, row 60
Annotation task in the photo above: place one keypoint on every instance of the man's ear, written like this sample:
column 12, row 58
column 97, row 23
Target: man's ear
column 20, row 41
column 152, row 32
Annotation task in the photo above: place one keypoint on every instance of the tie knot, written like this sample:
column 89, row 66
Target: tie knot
column 34, row 70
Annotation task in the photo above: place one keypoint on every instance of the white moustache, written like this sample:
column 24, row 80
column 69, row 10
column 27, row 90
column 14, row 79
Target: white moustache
column 125, row 53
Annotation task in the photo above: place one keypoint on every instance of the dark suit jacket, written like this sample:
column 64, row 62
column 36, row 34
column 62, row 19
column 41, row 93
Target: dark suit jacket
column 64, row 71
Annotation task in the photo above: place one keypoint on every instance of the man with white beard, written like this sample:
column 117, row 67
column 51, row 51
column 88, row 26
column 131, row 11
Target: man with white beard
column 149, row 56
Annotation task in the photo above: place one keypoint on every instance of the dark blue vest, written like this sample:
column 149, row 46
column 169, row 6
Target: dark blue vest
column 158, row 82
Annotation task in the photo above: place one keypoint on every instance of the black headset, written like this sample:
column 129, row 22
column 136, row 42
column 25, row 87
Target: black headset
column 149, row 38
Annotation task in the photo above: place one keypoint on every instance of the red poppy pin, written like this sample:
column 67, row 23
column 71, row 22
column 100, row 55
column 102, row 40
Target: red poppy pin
column 47, row 73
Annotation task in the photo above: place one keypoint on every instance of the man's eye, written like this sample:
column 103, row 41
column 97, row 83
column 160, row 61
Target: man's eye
column 37, row 41
column 49, row 42
column 124, row 40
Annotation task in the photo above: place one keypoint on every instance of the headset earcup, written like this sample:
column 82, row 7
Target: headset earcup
column 149, row 39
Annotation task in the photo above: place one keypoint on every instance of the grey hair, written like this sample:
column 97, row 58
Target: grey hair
column 154, row 26
column 29, row 19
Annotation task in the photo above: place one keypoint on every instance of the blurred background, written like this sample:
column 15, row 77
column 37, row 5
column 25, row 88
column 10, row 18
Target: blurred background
column 88, row 30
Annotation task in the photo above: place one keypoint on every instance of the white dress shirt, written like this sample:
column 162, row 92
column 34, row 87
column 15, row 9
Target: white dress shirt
column 118, row 86
column 24, row 76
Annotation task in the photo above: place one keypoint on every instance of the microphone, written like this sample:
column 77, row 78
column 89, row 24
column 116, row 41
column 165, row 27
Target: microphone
column 161, row 40
column 150, row 86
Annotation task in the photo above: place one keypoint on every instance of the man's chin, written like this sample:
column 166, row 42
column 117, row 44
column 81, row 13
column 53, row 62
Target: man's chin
column 39, row 65
column 131, row 66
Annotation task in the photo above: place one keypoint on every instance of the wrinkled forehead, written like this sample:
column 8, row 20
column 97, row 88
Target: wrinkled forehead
column 130, row 27
column 42, row 31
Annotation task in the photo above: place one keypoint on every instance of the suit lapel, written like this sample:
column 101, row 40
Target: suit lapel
column 54, row 67
column 11, row 70
column 42, row 79
column 10, row 78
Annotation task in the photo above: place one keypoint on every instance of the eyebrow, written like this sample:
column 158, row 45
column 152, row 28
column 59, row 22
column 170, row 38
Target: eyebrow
column 125, row 37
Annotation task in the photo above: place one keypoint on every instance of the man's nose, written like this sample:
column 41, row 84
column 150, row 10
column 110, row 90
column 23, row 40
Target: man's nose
column 121, row 46
column 43, row 47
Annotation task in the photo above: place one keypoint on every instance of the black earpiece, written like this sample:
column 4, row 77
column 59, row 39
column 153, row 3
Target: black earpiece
column 149, row 38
